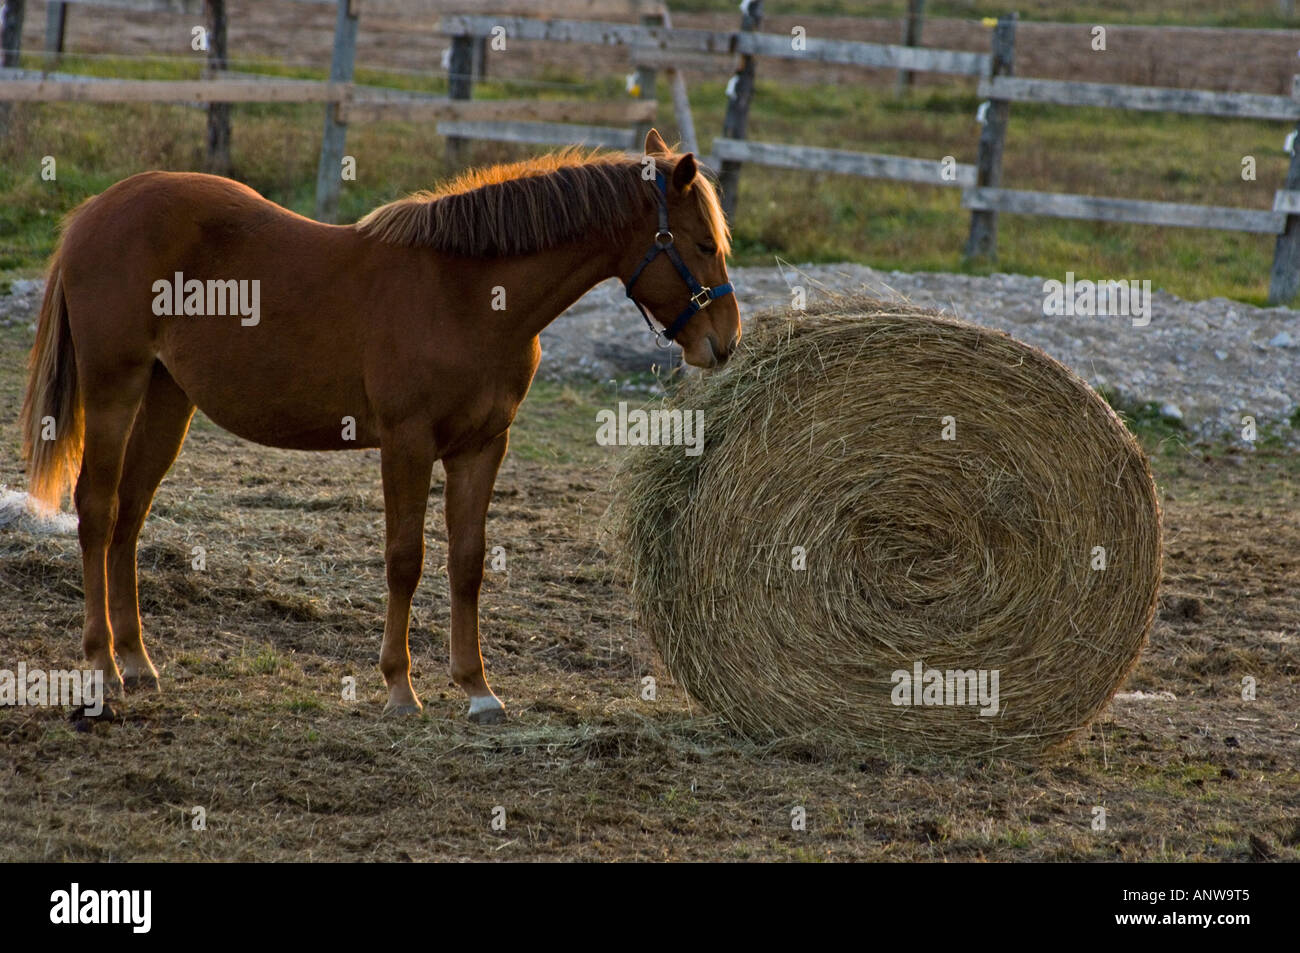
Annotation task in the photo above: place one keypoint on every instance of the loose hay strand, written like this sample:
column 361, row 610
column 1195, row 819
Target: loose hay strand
column 966, row 554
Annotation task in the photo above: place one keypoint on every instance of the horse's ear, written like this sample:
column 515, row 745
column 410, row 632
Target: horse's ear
column 654, row 144
column 684, row 172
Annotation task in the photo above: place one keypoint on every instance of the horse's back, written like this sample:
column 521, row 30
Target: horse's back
column 252, row 308
column 167, row 212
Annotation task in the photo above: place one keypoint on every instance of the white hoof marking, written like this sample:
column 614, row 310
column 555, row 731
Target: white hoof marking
column 484, row 703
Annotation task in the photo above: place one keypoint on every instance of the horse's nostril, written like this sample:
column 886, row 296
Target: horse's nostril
column 721, row 353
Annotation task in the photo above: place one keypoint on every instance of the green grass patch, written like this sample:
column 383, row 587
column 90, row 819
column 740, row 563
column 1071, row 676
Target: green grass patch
column 557, row 423
column 801, row 217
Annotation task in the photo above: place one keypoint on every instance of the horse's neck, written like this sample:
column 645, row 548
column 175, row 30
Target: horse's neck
column 544, row 284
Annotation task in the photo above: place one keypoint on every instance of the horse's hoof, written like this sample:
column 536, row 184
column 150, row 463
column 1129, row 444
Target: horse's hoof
column 84, row 717
column 398, row 711
column 487, row 710
column 141, row 682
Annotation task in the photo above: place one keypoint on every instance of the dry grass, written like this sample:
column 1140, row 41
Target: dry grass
column 252, row 725
column 824, row 444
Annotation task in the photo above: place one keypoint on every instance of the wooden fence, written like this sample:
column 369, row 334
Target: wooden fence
column 1283, row 220
column 663, row 47
column 981, row 187
column 981, row 184
column 654, row 44
column 344, row 100
column 469, row 35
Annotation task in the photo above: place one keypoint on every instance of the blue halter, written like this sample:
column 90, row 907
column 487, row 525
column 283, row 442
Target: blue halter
column 701, row 297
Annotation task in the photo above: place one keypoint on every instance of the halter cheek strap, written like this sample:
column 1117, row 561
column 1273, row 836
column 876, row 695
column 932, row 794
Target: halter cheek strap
column 701, row 297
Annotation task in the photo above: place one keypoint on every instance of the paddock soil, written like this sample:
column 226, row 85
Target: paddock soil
column 252, row 726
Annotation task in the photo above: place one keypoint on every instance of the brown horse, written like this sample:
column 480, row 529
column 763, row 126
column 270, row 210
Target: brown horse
column 414, row 331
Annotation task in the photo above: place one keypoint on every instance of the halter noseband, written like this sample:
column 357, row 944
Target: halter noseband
column 701, row 297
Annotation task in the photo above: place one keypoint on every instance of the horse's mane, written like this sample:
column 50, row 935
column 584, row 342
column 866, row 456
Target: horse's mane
column 533, row 205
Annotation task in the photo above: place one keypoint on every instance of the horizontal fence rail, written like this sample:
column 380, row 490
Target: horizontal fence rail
column 692, row 62
column 1143, row 98
column 98, row 90
column 1134, row 211
column 554, row 111
column 570, row 8
column 581, row 9
column 542, row 133
column 815, row 158
column 872, row 55
column 140, row 6
column 591, row 32
column 359, row 102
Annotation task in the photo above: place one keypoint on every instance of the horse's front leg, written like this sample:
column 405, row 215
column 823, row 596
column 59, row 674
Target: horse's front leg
column 407, row 463
column 470, row 478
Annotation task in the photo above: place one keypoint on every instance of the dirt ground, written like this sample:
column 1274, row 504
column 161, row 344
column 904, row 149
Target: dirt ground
column 252, row 726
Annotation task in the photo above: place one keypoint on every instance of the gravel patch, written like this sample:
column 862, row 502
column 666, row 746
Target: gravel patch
column 1204, row 363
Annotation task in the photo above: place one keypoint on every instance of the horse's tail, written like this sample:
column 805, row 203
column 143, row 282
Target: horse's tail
column 52, row 422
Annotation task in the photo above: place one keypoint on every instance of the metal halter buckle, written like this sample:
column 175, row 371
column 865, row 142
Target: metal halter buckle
column 662, row 243
column 659, row 339
column 701, row 298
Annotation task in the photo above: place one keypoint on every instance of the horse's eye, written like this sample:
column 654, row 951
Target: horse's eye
column 707, row 248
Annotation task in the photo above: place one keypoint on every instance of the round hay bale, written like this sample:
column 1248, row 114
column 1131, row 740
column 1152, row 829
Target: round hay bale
column 829, row 551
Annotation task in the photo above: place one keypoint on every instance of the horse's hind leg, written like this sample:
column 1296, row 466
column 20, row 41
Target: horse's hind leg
column 156, row 438
column 111, row 402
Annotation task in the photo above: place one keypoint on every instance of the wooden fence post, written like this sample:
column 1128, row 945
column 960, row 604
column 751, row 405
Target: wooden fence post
column 911, row 37
column 56, row 26
column 737, row 117
column 329, row 174
column 218, row 159
column 1284, row 279
column 460, row 85
column 647, row 78
column 983, row 240
column 478, row 69
column 11, row 41
column 11, row 31
column 681, row 100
